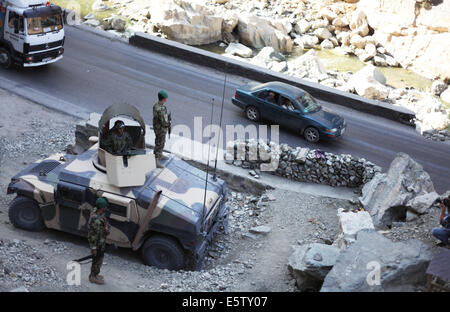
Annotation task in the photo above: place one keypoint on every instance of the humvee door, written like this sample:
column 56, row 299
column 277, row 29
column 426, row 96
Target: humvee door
column 70, row 206
column 123, row 218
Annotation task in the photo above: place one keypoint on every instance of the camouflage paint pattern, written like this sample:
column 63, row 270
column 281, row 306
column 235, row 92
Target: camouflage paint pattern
column 66, row 186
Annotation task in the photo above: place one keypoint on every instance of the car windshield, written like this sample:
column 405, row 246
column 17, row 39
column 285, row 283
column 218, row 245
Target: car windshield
column 309, row 104
column 44, row 24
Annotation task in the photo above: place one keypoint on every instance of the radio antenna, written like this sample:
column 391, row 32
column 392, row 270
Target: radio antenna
column 220, row 127
column 207, row 167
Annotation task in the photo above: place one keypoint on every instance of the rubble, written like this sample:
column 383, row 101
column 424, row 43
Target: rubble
column 310, row 263
column 386, row 196
column 350, row 223
column 401, row 265
column 23, row 267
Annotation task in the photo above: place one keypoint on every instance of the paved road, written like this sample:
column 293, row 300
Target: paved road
column 97, row 72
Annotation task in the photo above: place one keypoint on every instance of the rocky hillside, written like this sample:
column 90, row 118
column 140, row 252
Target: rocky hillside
column 408, row 33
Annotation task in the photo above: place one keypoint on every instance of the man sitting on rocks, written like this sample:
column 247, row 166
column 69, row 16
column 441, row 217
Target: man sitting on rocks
column 443, row 233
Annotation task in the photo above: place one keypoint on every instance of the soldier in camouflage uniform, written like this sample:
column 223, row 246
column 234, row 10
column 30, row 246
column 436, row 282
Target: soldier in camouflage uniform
column 98, row 231
column 161, row 125
column 118, row 142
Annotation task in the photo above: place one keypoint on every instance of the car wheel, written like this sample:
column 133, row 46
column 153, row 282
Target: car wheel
column 311, row 134
column 163, row 252
column 252, row 113
column 5, row 58
column 24, row 213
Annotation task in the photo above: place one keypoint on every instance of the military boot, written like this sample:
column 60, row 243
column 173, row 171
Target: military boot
column 96, row 280
column 158, row 164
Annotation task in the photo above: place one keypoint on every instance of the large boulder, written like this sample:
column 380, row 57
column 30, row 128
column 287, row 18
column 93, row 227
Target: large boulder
column 309, row 41
column 437, row 87
column 350, row 223
column 239, row 50
column 421, row 204
column 118, row 23
column 188, row 22
column 230, row 20
column 308, row 65
column 386, row 196
column 302, row 26
column 417, row 37
column 267, row 57
column 261, row 32
column 375, row 263
column 99, row 6
column 323, row 33
column 445, row 96
column 358, row 23
column 310, row 263
column 369, row 82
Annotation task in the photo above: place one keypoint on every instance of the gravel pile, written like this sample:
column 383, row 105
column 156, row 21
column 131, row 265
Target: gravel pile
column 23, row 265
column 39, row 139
column 419, row 229
column 301, row 164
column 223, row 267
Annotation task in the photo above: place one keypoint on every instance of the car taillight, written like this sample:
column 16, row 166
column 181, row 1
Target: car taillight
column 236, row 95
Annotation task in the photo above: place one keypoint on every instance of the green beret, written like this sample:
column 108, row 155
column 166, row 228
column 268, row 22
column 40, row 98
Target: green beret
column 101, row 202
column 163, row 94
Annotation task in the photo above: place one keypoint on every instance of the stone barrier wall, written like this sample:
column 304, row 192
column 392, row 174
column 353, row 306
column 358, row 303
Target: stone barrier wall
column 300, row 164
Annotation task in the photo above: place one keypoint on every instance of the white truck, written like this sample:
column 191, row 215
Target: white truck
column 31, row 33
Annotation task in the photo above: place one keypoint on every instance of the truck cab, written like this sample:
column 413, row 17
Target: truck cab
column 31, row 33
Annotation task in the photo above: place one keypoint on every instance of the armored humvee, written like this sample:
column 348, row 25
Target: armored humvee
column 167, row 213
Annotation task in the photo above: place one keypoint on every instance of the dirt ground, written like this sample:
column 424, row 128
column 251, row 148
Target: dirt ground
column 238, row 261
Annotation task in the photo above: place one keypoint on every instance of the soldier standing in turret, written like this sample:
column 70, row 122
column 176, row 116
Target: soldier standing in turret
column 161, row 125
column 98, row 231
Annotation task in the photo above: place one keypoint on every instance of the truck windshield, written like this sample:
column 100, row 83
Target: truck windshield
column 44, row 24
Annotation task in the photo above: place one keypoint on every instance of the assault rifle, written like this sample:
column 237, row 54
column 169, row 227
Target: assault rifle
column 100, row 252
column 170, row 123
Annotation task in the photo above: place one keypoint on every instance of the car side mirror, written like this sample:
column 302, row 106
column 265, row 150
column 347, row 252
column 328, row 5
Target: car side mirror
column 16, row 26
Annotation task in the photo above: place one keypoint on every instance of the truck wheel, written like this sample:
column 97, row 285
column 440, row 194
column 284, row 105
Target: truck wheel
column 163, row 252
column 5, row 58
column 311, row 134
column 24, row 213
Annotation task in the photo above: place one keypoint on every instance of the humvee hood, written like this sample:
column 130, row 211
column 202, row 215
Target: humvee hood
column 185, row 184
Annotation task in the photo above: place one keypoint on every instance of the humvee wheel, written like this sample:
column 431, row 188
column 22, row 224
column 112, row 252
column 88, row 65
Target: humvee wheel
column 24, row 213
column 163, row 252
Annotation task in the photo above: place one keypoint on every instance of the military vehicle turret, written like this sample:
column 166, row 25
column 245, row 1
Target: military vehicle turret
column 163, row 213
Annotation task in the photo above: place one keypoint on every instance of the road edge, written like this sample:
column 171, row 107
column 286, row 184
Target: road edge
column 208, row 59
column 231, row 66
